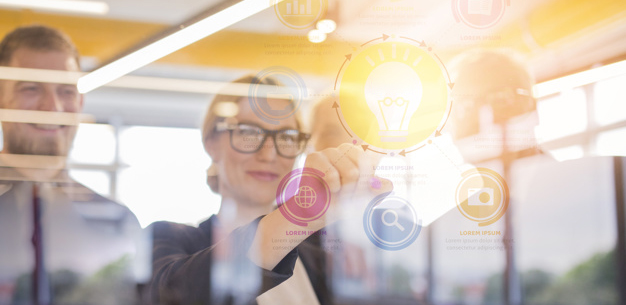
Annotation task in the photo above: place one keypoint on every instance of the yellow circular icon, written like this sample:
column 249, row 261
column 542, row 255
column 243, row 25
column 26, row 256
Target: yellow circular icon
column 393, row 95
column 300, row 14
column 482, row 196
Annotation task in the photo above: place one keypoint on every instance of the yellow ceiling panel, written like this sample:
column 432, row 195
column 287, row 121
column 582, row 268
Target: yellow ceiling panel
column 94, row 37
column 571, row 19
column 104, row 38
column 550, row 23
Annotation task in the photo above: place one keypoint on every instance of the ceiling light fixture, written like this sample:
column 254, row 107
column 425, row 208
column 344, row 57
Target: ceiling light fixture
column 326, row 25
column 172, row 43
column 317, row 36
column 73, row 6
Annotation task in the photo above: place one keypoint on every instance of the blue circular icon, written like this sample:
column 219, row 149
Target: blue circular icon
column 265, row 99
column 391, row 223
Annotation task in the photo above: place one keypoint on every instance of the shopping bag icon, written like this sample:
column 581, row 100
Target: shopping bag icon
column 479, row 7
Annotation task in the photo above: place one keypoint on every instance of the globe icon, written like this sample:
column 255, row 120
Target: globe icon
column 305, row 198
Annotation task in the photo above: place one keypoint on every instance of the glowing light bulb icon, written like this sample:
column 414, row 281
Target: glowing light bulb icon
column 393, row 92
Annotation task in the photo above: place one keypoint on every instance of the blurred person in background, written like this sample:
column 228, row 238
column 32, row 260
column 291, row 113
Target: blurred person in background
column 60, row 242
column 491, row 87
column 245, row 254
column 495, row 118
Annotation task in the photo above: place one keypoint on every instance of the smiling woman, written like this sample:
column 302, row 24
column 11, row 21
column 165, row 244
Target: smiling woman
column 244, row 254
column 250, row 156
column 244, row 159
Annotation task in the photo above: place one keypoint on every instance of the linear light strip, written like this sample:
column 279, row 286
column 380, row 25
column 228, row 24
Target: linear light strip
column 44, row 117
column 136, row 82
column 171, row 43
column 194, row 86
column 40, row 75
column 579, row 79
column 182, row 85
column 205, row 87
column 32, row 161
column 86, row 7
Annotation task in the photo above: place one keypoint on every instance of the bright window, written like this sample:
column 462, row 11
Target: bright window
column 612, row 143
column 610, row 100
column 563, row 115
column 96, row 180
column 166, row 175
column 94, row 144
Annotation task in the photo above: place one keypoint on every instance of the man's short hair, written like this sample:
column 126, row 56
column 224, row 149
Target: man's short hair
column 37, row 38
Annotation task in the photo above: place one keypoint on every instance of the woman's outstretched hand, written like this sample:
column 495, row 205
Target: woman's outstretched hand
column 349, row 174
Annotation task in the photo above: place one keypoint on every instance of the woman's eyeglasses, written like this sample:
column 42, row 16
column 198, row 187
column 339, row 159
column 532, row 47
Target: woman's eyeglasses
column 249, row 138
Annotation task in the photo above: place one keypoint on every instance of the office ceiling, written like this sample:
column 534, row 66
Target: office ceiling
column 557, row 37
column 540, row 29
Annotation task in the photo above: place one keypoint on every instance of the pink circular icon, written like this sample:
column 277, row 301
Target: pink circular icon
column 479, row 14
column 375, row 183
column 303, row 196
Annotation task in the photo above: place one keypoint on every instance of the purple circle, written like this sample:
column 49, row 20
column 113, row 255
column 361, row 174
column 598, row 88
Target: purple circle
column 375, row 183
column 303, row 196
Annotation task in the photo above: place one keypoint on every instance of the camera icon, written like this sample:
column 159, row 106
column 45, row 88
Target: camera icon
column 480, row 196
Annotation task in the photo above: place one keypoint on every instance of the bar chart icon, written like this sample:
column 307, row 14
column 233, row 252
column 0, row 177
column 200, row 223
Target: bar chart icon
column 300, row 14
column 294, row 8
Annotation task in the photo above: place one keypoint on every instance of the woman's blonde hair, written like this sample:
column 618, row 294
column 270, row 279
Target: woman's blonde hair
column 224, row 106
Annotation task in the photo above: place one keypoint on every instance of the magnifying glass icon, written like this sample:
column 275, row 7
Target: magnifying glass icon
column 395, row 219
